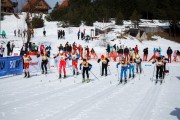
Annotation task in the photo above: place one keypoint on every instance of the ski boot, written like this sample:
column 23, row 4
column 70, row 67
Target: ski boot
column 156, row 81
column 88, row 80
column 133, row 75
column 129, row 75
column 46, row 72
column 120, row 80
column 28, row 75
column 42, row 72
column 77, row 73
column 83, row 80
column 59, row 76
column 64, row 76
column 125, row 81
column 25, row 75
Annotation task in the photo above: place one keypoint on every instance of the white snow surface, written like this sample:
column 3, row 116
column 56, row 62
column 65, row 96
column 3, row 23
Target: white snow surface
column 43, row 97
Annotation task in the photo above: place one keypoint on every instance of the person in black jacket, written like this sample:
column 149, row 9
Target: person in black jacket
column 8, row 48
column 121, row 52
column 44, row 63
column 169, row 53
column 145, row 54
column 126, row 53
column 105, row 62
column 86, row 68
column 108, row 49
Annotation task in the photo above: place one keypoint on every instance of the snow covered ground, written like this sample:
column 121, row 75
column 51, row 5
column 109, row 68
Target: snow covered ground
column 47, row 98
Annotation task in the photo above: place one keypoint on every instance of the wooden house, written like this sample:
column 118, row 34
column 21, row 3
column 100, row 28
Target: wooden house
column 36, row 6
column 65, row 3
column 7, row 6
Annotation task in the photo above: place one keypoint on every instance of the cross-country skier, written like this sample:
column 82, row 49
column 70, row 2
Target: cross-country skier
column 131, row 67
column 86, row 68
column 159, row 68
column 138, row 61
column 62, row 63
column 124, row 67
column 105, row 62
column 165, row 60
column 44, row 63
column 27, row 60
column 75, row 56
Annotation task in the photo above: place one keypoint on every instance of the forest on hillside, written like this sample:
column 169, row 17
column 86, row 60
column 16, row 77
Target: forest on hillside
column 99, row 10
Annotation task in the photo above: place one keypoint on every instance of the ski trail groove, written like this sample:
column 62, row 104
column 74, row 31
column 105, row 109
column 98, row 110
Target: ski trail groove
column 143, row 111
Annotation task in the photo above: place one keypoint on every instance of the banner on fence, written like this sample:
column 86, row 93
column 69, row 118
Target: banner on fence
column 11, row 65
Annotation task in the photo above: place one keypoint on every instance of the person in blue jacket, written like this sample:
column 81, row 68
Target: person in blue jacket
column 124, row 67
column 86, row 68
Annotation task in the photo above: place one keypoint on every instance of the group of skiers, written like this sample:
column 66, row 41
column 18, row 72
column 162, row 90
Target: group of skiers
column 130, row 63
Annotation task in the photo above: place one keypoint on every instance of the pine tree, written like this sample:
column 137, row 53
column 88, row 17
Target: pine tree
column 119, row 19
column 56, row 6
column 135, row 18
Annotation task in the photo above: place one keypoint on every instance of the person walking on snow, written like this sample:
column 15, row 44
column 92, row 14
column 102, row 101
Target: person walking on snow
column 105, row 62
column 145, row 54
column 27, row 60
column 136, row 50
column 62, row 63
column 169, row 53
column 3, row 34
column 124, row 67
column 138, row 61
column 44, row 32
column 86, row 68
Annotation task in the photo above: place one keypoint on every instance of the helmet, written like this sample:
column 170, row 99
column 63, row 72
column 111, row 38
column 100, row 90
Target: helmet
column 102, row 56
column 137, row 56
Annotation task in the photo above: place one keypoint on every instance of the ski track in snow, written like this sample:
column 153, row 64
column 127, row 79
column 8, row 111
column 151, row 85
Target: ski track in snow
column 102, row 96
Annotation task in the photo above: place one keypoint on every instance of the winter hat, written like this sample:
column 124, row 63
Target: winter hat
column 84, row 60
column 159, row 58
column 102, row 56
column 61, row 51
column 137, row 56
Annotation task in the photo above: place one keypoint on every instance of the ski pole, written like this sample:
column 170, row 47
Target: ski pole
column 94, row 75
column 70, row 67
column 109, row 70
column 118, row 73
column 100, row 69
column 153, row 73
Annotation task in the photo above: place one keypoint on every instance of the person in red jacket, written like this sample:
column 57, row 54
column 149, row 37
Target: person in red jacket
column 27, row 60
column 136, row 50
column 74, row 48
column 42, row 48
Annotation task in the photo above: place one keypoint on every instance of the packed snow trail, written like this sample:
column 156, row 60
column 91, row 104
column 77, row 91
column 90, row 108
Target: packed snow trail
column 31, row 99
